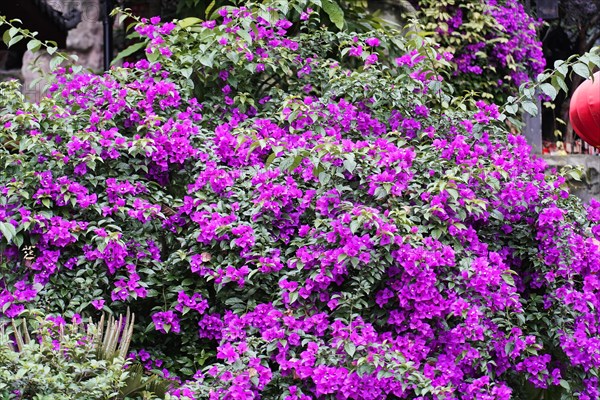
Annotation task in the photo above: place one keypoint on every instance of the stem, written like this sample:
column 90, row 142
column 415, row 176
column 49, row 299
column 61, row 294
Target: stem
column 26, row 33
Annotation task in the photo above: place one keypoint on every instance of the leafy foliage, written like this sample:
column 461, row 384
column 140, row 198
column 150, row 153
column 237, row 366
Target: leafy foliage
column 550, row 83
column 72, row 361
column 350, row 15
column 296, row 216
column 494, row 44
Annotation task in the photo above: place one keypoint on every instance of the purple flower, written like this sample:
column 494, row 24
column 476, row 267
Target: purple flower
column 228, row 353
column 355, row 51
column 166, row 321
column 98, row 304
column 373, row 42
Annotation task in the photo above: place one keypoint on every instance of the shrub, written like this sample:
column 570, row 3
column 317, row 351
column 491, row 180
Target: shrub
column 60, row 362
column 300, row 217
column 76, row 360
column 494, row 44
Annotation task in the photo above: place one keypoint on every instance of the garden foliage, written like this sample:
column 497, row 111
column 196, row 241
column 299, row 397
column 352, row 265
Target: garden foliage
column 494, row 43
column 60, row 361
column 77, row 360
column 298, row 217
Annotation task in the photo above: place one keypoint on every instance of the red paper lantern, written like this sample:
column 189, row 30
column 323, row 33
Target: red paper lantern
column 584, row 111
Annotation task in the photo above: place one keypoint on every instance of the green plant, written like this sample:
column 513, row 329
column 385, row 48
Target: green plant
column 493, row 42
column 72, row 361
column 350, row 15
column 59, row 363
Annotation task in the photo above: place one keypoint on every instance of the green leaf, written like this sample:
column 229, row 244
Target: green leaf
column 350, row 348
column 245, row 35
column 511, row 109
column 270, row 160
column 34, row 45
column 286, row 163
column 435, row 86
column 335, row 13
column 558, row 81
column 549, row 90
column 15, row 40
column 530, row 108
column 509, row 347
column 18, row 240
column 297, row 161
column 508, row 279
column 187, row 22
column 129, row 51
column 207, row 59
column 187, row 72
column 594, row 59
column 581, row 70
column 575, row 174
column 209, row 8
column 55, row 62
column 6, row 37
column 152, row 56
column 8, row 231
column 561, row 67
column 350, row 165
column 121, row 19
column 324, row 178
column 565, row 385
column 453, row 193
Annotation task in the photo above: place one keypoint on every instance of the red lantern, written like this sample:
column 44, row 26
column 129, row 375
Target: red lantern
column 585, row 111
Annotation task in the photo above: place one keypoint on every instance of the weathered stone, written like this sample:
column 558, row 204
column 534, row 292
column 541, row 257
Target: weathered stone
column 533, row 129
column 589, row 187
column 86, row 36
column 32, row 65
column 86, row 40
column 7, row 75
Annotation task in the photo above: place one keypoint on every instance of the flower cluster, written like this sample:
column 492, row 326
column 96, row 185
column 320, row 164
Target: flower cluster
column 522, row 47
column 500, row 54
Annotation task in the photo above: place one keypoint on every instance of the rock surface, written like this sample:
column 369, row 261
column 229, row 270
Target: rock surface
column 85, row 41
column 589, row 186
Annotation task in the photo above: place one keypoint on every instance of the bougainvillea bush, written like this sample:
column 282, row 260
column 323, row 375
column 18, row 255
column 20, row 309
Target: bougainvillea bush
column 494, row 43
column 299, row 217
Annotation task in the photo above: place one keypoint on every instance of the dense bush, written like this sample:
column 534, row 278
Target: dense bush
column 300, row 217
column 494, row 43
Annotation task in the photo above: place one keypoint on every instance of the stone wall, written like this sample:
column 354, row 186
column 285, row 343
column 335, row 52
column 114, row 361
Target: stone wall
column 589, row 187
column 85, row 41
